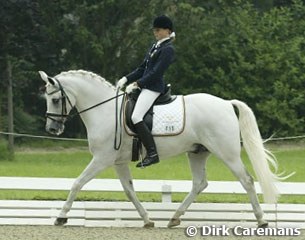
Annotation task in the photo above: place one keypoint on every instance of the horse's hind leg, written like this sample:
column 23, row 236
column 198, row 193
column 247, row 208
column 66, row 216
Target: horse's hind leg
column 238, row 169
column 197, row 163
column 126, row 181
column 94, row 167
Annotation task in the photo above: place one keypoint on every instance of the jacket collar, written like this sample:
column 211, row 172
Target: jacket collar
column 158, row 44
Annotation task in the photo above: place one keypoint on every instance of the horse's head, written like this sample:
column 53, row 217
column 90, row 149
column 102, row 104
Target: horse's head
column 59, row 104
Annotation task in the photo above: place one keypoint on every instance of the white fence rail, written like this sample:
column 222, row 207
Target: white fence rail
column 104, row 213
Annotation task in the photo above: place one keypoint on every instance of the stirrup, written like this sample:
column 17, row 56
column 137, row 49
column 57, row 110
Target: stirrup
column 148, row 160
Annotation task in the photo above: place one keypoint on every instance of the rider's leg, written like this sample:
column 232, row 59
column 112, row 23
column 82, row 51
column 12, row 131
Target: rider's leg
column 149, row 143
column 143, row 104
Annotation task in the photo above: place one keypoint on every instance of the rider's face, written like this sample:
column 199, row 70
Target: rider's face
column 161, row 33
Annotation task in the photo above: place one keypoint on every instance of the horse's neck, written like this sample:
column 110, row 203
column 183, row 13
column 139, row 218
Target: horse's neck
column 89, row 92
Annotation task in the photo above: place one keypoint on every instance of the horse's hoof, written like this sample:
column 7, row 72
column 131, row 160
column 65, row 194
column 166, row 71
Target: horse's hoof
column 263, row 224
column 174, row 222
column 60, row 221
column 149, row 225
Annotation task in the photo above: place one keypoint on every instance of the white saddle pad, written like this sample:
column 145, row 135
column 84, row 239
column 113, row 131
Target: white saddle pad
column 168, row 119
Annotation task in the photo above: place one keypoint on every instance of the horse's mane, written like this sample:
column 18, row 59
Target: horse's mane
column 89, row 74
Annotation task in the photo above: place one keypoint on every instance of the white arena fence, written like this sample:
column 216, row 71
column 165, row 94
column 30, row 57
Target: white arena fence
column 123, row 214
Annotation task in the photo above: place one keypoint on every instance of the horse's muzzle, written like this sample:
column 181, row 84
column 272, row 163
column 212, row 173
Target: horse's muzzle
column 55, row 128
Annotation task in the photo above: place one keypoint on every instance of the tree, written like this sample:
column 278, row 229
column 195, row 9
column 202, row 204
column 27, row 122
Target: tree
column 250, row 50
column 18, row 29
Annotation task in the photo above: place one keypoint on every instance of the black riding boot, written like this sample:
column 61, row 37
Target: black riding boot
column 148, row 141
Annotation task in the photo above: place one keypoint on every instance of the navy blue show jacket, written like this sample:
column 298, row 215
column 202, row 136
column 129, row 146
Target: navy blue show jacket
column 150, row 73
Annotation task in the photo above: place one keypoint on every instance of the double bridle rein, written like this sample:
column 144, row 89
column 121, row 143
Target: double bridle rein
column 64, row 116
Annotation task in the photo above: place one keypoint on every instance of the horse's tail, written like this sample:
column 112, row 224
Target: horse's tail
column 258, row 155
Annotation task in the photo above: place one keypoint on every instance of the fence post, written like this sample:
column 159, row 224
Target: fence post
column 166, row 193
column 10, row 107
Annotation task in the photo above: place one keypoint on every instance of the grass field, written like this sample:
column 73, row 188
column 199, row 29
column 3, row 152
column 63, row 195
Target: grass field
column 70, row 163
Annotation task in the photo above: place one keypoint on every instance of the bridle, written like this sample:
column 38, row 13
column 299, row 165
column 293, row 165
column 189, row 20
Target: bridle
column 64, row 98
column 64, row 116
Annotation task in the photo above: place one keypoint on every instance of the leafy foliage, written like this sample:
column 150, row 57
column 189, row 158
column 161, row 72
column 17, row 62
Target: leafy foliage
column 250, row 50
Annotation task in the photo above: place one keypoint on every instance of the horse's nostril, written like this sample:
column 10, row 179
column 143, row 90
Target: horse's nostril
column 51, row 130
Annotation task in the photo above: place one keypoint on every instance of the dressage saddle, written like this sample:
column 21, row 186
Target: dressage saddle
column 163, row 99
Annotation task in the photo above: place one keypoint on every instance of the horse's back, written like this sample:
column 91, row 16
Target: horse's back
column 209, row 104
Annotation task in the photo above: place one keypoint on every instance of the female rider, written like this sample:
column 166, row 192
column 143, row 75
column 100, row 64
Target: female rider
column 149, row 78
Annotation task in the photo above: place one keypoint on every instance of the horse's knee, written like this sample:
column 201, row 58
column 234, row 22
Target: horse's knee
column 250, row 180
column 199, row 187
column 128, row 191
column 76, row 186
column 203, row 186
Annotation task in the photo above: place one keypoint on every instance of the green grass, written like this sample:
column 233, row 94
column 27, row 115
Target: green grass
column 70, row 163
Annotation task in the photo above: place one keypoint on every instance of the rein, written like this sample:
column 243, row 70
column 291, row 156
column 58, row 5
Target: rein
column 117, row 144
column 96, row 105
column 65, row 116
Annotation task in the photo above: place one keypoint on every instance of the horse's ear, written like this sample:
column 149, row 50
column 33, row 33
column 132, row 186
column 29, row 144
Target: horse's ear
column 46, row 78
column 51, row 80
column 43, row 76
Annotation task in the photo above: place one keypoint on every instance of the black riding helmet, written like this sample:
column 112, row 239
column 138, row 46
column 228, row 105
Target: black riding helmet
column 163, row 22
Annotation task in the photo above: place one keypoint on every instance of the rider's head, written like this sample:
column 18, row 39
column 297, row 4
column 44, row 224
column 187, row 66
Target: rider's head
column 163, row 22
column 163, row 27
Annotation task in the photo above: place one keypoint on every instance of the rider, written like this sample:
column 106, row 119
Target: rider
column 149, row 78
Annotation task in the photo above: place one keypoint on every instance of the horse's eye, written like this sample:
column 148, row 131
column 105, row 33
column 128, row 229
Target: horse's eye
column 55, row 100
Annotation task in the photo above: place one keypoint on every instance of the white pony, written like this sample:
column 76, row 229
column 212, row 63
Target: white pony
column 211, row 127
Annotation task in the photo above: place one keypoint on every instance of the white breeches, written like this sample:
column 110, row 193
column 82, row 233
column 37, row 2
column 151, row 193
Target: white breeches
column 143, row 104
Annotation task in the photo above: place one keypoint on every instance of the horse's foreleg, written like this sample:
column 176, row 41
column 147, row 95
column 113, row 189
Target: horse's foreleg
column 94, row 167
column 197, row 164
column 126, row 181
